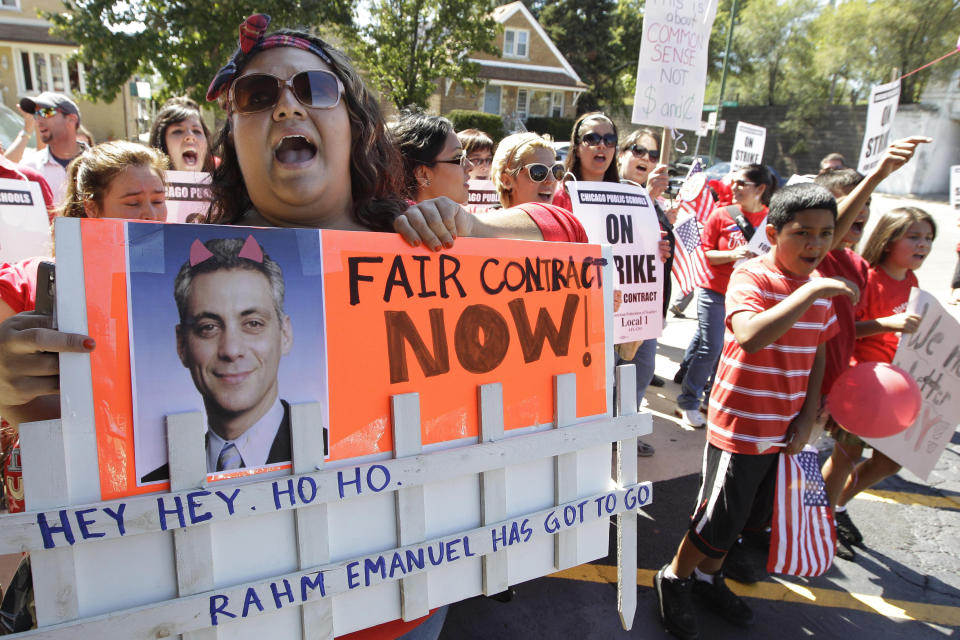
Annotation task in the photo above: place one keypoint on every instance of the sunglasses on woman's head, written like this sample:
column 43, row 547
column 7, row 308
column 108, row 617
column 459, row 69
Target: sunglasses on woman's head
column 257, row 92
column 538, row 171
column 639, row 152
column 593, row 139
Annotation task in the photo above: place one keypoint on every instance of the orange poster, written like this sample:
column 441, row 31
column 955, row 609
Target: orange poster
column 403, row 319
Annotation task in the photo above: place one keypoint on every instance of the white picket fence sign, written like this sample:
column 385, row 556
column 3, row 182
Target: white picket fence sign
column 324, row 552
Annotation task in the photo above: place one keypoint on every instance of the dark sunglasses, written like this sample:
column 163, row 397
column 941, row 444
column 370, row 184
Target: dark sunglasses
column 538, row 171
column 481, row 162
column 594, row 139
column 639, row 152
column 742, row 183
column 261, row 91
column 460, row 159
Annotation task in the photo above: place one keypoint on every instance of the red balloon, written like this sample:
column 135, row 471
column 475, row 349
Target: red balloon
column 874, row 400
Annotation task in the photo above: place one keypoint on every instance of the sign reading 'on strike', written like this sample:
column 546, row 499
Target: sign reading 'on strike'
column 881, row 111
column 672, row 71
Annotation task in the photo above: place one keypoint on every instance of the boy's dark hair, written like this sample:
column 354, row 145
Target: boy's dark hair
column 474, row 140
column 839, row 182
column 789, row 201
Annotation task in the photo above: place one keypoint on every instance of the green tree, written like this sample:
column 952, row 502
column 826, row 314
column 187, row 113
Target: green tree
column 184, row 41
column 583, row 31
column 408, row 45
column 863, row 41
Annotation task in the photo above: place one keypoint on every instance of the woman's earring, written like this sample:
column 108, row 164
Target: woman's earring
column 426, row 182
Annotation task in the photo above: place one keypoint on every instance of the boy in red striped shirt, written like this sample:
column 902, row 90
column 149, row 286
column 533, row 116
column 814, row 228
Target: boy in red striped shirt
column 766, row 395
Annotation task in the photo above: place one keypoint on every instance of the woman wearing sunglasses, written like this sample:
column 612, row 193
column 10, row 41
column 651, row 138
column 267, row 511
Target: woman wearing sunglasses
column 479, row 149
column 639, row 162
column 525, row 170
column 434, row 162
column 593, row 145
column 724, row 240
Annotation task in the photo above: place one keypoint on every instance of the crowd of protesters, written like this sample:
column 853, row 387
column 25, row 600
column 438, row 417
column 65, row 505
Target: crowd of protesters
column 289, row 154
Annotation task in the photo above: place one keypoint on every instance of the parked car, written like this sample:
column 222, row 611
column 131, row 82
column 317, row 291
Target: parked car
column 561, row 149
column 10, row 125
column 721, row 169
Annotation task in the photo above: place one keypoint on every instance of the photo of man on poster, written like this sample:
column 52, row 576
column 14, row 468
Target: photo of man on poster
column 232, row 334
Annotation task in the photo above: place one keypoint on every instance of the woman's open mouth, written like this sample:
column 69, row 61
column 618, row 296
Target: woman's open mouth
column 294, row 150
column 545, row 195
column 190, row 158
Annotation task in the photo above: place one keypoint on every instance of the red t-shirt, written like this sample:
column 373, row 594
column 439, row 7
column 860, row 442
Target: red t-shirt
column 556, row 223
column 18, row 283
column 842, row 263
column 882, row 297
column 756, row 395
column 721, row 233
column 561, row 198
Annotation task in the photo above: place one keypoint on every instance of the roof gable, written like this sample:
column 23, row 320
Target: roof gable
column 504, row 12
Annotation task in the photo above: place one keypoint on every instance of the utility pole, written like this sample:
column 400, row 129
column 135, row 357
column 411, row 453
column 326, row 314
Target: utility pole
column 723, row 81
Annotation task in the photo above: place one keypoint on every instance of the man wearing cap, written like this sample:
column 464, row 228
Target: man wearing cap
column 57, row 120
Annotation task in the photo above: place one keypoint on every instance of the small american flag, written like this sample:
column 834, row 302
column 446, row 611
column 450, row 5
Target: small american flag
column 690, row 266
column 804, row 536
column 701, row 200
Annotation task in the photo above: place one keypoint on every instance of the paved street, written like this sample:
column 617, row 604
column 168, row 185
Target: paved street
column 905, row 584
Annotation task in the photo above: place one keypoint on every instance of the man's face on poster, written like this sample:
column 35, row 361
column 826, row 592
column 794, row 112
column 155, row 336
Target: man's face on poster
column 232, row 341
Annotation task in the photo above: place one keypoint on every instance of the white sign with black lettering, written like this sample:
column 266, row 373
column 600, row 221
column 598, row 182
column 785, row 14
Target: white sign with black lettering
column 188, row 195
column 758, row 244
column 955, row 187
column 881, row 111
column 24, row 223
column 482, row 195
column 623, row 216
column 747, row 145
column 931, row 356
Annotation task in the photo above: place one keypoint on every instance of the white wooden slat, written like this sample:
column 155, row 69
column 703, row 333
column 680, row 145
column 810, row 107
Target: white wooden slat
column 20, row 531
column 411, row 516
column 192, row 612
column 313, row 541
column 76, row 394
column 493, row 487
column 46, row 482
column 626, row 462
column 186, row 456
column 565, row 468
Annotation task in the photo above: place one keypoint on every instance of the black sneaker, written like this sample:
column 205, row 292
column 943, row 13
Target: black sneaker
column 722, row 601
column 845, row 549
column 678, row 376
column 847, row 529
column 657, row 381
column 676, row 605
column 740, row 566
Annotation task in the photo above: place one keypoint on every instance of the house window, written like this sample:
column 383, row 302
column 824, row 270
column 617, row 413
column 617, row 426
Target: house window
column 42, row 71
column 515, row 43
column 10, row 4
column 523, row 104
column 459, row 91
column 556, row 104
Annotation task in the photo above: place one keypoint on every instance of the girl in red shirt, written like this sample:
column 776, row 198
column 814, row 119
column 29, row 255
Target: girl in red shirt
column 897, row 247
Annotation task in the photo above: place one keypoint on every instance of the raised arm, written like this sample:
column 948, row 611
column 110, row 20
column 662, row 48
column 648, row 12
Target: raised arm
column 896, row 155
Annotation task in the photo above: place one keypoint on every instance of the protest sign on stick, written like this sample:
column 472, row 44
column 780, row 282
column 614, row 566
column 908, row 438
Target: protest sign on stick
column 881, row 111
column 622, row 215
column 672, row 67
column 24, row 224
column 747, row 145
column 188, row 195
column 931, row 356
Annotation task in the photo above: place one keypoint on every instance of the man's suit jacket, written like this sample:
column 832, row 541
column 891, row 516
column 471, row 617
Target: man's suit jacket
column 280, row 450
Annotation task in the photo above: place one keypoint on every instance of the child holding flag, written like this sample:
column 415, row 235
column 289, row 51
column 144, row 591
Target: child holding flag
column 766, row 396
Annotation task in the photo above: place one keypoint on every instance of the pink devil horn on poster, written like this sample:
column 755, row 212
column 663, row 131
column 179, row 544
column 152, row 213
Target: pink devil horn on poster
column 251, row 250
column 199, row 253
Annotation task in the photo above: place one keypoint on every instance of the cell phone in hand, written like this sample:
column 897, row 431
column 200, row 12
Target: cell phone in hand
column 46, row 290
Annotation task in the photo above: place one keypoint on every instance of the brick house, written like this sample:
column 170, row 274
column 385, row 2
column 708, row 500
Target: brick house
column 32, row 61
column 530, row 77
